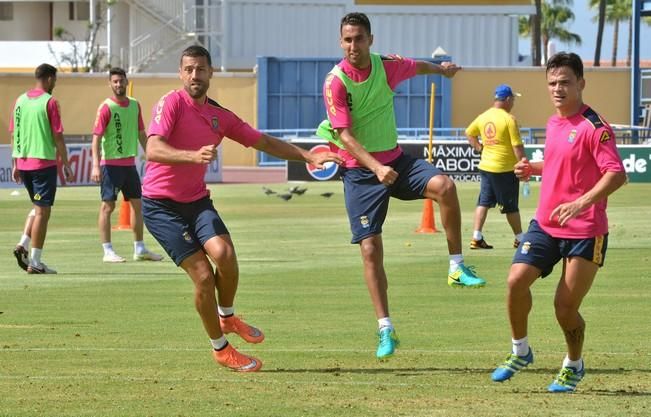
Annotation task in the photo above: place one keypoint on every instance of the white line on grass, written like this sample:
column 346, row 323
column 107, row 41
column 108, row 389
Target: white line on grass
column 296, row 350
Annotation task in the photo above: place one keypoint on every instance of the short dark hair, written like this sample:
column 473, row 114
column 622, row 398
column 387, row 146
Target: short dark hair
column 45, row 71
column 356, row 19
column 566, row 59
column 117, row 71
column 196, row 51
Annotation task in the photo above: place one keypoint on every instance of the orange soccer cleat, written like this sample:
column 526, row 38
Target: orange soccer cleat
column 231, row 358
column 234, row 324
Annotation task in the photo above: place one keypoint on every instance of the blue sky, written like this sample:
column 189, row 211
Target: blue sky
column 585, row 27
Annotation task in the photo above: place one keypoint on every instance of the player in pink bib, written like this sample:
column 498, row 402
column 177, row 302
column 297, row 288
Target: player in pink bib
column 185, row 130
column 581, row 169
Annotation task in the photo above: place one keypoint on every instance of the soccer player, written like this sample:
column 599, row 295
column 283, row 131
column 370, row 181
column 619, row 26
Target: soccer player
column 500, row 148
column 581, row 169
column 184, row 133
column 358, row 94
column 37, row 138
column 118, row 129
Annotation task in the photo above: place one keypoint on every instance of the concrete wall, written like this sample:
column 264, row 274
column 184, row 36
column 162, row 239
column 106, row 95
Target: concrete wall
column 80, row 94
column 607, row 90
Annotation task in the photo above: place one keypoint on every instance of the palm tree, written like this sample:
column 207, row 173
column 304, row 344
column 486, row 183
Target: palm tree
column 554, row 18
column 600, row 32
column 616, row 11
column 532, row 27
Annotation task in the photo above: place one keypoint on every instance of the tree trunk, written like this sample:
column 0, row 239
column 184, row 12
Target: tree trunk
column 613, row 60
column 629, row 51
column 600, row 32
column 536, row 33
column 545, row 42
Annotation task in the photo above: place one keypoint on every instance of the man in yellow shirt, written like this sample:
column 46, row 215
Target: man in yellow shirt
column 496, row 135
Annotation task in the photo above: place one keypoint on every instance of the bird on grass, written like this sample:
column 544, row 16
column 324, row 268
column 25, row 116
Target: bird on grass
column 267, row 191
column 297, row 190
column 327, row 195
column 285, row 197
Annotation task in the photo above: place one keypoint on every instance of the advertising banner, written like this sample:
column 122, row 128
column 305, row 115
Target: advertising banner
column 455, row 158
column 81, row 163
column 636, row 159
column 458, row 160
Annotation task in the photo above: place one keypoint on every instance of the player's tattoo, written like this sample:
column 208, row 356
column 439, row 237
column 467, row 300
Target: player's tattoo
column 575, row 336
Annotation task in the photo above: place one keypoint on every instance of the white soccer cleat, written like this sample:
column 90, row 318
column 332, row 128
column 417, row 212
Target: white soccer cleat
column 40, row 268
column 147, row 256
column 113, row 258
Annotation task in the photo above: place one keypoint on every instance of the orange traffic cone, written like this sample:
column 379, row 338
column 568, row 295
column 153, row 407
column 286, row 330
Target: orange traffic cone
column 427, row 223
column 124, row 220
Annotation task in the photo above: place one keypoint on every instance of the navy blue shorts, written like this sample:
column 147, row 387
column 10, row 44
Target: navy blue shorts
column 182, row 228
column 543, row 251
column 120, row 178
column 41, row 185
column 367, row 199
column 501, row 188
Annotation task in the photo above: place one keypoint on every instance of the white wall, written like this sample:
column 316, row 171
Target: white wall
column 31, row 23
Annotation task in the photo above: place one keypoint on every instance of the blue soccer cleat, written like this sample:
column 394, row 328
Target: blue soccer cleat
column 567, row 379
column 465, row 276
column 511, row 365
column 387, row 344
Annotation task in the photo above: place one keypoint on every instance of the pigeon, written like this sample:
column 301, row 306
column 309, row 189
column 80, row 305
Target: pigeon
column 267, row 191
column 327, row 195
column 285, row 197
column 297, row 190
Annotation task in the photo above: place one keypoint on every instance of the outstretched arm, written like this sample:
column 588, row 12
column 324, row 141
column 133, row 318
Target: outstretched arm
column 446, row 69
column 281, row 149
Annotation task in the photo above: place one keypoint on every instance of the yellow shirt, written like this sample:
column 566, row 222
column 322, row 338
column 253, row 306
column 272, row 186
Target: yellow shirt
column 499, row 133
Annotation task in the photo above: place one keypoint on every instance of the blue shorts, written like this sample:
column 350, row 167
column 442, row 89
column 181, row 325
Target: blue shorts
column 182, row 228
column 367, row 199
column 41, row 185
column 539, row 249
column 501, row 188
column 120, row 178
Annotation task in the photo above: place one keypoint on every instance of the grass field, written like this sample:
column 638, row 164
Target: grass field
column 124, row 340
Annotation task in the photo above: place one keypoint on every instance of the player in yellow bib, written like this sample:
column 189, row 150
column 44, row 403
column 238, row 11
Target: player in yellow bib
column 496, row 135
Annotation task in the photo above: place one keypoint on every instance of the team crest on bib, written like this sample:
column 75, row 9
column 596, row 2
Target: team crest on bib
column 572, row 136
column 215, row 123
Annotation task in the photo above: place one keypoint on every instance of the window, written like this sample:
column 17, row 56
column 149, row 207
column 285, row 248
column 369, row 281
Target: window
column 7, row 11
column 78, row 10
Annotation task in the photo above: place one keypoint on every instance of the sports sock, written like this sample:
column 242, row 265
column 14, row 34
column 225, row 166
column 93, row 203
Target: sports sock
column 519, row 236
column 24, row 241
column 108, row 248
column 225, row 311
column 219, row 344
column 139, row 247
column 36, row 256
column 477, row 235
column 384, row 322
column 520, row 346
column 577, row 364
column 455, row 261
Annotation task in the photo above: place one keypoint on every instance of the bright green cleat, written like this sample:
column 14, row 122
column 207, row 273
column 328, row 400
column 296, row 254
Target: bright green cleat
column 566, row 380
column 464, row 276
column 387, row 344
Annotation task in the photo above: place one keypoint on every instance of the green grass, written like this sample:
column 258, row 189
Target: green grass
column 124, row 340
